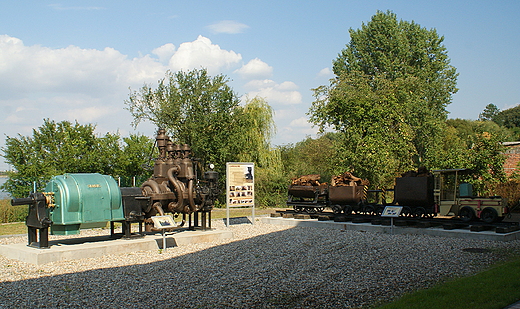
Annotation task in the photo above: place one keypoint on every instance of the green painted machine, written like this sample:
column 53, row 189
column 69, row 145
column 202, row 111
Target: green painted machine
column 83, row 201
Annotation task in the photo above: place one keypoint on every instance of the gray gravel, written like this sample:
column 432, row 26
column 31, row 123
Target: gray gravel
column 264, row 266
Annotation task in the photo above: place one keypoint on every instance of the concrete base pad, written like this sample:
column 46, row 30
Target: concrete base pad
column 368, row 227
column 88, row 247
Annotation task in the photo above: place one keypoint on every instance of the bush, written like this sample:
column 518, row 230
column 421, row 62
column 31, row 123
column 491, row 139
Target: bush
column 10, row 213
column 510, row 190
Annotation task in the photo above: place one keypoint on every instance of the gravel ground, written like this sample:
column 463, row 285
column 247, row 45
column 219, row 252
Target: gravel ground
column 264, row 266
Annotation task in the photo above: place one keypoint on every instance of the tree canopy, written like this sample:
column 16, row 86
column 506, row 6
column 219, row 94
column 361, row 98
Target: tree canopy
column 393, row 83
column 56, row 148
column 489, row 113
column 204, row 112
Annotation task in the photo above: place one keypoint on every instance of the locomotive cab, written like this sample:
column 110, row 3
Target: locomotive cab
column 456, row 198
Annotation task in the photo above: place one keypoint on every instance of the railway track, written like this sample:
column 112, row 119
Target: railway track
column 445, row 223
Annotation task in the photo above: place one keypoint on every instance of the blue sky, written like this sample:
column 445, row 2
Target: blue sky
column 76, row 60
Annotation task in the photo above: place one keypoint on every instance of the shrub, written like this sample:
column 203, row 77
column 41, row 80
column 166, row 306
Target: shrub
column 10, row 213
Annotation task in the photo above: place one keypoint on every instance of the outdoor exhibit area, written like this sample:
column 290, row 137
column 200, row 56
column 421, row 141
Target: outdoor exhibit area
column 263, row 266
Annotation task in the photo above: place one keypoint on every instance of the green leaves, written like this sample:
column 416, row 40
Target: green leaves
column 393, row 83
column 57, row 148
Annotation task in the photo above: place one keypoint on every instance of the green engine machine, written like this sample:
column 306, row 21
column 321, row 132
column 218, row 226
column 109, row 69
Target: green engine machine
column 71, row 202
column 83, row 201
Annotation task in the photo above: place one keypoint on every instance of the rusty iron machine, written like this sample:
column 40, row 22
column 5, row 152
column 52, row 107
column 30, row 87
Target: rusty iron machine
column 75, row 201
column 174, row 186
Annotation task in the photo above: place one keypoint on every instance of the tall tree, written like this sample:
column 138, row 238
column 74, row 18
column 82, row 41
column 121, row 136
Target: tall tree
column 204, row 112
column 195, row 108
column 489, row 113
column 509, row 118
column 393, row 83
column 56, row 148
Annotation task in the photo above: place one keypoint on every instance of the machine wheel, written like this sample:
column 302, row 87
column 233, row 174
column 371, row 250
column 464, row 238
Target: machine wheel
column 406, row 212
column 489, row 215
column 419, row 212
column 466, row 214
column 337, row 209
column 368, row 209
column 379, row 210
column 310, row 210
column 347, row 210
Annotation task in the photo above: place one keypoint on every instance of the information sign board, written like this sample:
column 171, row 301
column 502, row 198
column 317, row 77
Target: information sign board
column 163, row 222
column 392, row 211
column 240, row 186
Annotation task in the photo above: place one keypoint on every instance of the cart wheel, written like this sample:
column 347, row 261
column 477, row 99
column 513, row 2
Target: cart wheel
column 369, row 209
column 337, row 209
column 489, row 215
column 419, row 212
column 347, row 210
column 466, row 214
column 310, row 210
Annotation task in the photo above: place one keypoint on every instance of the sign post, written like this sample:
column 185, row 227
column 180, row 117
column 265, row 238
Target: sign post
column 163, row 223
column 392, row 212
column 240, row 187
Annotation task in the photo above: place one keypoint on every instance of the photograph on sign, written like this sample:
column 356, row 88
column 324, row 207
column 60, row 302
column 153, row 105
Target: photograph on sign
column 240, row 190
column 163, row 222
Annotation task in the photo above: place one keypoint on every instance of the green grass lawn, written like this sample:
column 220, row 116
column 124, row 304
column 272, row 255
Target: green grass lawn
column 12, row 228
column 495, row 288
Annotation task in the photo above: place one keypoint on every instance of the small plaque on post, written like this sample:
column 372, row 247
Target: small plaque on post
column 392, row 211
column 163, row 222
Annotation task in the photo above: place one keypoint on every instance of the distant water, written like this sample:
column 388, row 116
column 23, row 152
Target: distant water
column 3, row 194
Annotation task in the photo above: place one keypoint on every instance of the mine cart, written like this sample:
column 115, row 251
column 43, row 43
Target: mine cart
column 415, row 194
column 308, row 198
column 346, row 198
column 455, row 197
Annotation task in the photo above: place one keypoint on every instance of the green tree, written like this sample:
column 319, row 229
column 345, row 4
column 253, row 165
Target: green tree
column 135, row 159
column 55, row 149
column 509, row 118
column 489, row 113
column 313, row 156
column 196, row 109
column 469, row 130
column 393, row 83
column 204, row 112
column 476, row 145
column 487, row 160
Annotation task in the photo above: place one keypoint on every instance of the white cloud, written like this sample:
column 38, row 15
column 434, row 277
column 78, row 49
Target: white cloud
column 301, row 122
column 255, row 69
column 285, row 93
column 88, row 85
column 228, row 26
column 31, row 69
column 293, row 126
column 202, row 53
column 90, row 113
column 164, row 52
column 325, row 72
